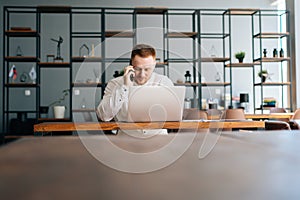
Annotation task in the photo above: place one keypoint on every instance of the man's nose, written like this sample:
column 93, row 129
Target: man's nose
column 143, row 73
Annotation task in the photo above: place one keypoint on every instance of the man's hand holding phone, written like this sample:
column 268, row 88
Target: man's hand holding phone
column 128, row 75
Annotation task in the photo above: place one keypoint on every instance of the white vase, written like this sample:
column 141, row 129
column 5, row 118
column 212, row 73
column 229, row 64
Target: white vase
column 59, row 112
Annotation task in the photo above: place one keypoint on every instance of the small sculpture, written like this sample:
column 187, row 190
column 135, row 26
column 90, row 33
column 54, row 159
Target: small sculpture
column 281, row 53
column 187, row 77
column 23, row 77
column 19, row 51
column 32, row 74
column 275, row 53
column 116, row 74
column 213, row 51
column 97, row 75
column 265, row 53
column 83, row 53
column 13, row 73
column 217, row 77
column 59, row 41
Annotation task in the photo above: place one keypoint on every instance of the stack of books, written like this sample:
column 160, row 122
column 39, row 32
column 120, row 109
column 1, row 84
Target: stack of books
column 269, row 102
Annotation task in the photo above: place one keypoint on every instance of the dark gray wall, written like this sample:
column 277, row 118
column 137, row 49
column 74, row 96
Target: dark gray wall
column 51, row 77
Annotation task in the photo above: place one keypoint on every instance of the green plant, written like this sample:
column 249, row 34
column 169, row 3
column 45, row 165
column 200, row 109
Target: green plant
column 62, row 98
column 263, row 73
column 240, row 55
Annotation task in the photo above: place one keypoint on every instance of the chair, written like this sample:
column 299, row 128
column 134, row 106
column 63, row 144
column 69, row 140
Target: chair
column 296, row 114
column 194, row 114
column 295, row 120
column 276, row 125
column 214, row 113
column 279, row 110
column 233, row 114
column 237, row 114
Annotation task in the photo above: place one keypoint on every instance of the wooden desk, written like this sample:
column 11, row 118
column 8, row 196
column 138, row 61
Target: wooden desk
column 269, row 116
column 243, row 166
column 95, row 126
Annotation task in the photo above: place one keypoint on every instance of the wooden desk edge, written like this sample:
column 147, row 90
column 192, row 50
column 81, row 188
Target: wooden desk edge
column 269, row 116
column 96, row 126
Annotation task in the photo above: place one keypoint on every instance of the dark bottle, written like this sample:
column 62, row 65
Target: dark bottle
column 281, row 53
column 187, row 77
column 265, row 52
column 275, row 53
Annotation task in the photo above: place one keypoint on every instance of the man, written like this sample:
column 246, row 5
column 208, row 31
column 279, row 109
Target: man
column 140, row 72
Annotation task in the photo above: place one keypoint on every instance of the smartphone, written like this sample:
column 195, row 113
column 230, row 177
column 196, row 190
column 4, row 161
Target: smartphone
column 131, row 75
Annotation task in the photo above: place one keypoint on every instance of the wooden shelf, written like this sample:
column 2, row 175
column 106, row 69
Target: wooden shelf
column 270, row 107
column 217, row 84
column 21, row 33
column 54, row 64
column 86, row 59
column 206, row 84
column 21, row 85
column 181, row 60
column 91, row 84
column 53, row 120
column 272, row 84
column 84, row 110
column 21, row 111
column 213, row 35
column 186, row 84
column 272, row 59
column 54, row 9
column 150, row 10
column 271, row 35
column 241, row 11
column 215, row 59
column 128, row 34
column 182, row 34
column 161, row 64
column 242, row 64
column 21, row 59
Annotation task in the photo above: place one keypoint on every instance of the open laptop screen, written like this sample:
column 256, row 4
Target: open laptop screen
column 155, row 103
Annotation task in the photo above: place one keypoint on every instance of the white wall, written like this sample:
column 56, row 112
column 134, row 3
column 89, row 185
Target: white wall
column 297, row 48
column 296, row 43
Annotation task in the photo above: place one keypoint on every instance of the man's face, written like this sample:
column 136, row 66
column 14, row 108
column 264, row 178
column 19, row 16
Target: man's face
column 143, row 68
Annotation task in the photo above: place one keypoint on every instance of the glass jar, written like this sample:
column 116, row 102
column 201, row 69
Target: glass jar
column 187, row 103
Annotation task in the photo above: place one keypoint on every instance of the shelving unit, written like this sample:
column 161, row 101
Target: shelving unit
column 220, row 35
column 282, row 41
column 174, row 58
column 12, row 33
column 194, row 33
column 42, row 13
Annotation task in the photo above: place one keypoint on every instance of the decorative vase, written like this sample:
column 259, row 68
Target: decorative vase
column 44, row 109
column 59, row 112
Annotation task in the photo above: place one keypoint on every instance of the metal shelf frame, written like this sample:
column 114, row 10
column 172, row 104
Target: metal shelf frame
column 196, row 34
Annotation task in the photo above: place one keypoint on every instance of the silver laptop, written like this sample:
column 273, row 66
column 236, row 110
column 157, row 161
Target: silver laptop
column 155, row 103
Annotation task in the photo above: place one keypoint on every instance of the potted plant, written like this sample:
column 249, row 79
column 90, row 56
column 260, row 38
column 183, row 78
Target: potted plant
column 263, row 74
column 240, row 56
column 59, row 110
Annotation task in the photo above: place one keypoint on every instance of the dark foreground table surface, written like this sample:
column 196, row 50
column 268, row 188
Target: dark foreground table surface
column 256, row 166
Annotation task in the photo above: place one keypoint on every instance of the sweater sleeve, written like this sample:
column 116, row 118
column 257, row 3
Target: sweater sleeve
column 115, row 95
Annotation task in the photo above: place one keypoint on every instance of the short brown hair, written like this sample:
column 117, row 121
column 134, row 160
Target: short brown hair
column 142, row 50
